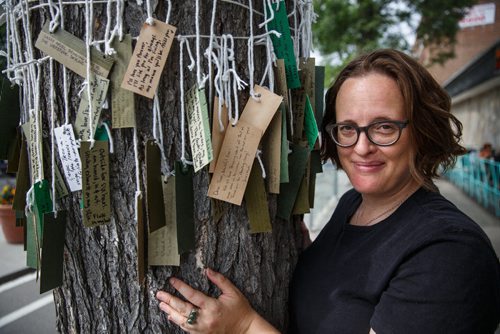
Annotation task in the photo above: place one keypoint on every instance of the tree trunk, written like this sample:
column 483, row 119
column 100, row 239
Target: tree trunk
column 101, row 293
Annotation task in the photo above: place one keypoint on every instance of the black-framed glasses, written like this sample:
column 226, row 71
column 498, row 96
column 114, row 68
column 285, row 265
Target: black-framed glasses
column 381, row 133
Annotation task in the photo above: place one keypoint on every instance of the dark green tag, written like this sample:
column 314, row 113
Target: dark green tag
column 43, row 202
column 22, row 179
column 297, row 162
column 101, row 133
column 154, row 188
column 319, row 94
column 9, row 115
column 185, row 207
column 283, row 45
column 14, row 152
column 52, row 259
column 310, row 127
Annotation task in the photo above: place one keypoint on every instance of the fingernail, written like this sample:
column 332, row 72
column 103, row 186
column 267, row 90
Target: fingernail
column 172, row 280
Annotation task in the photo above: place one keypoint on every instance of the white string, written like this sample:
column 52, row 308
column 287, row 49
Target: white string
column 88, row 26
column 54, row 14
column 65, row 76
column 250, row 54
column 258, row 156
column 183, row 112
column 108, row 35
column 110, row 137
column 271, row 17
column 138, row 192
column 150, row 19
column 52, row 137
column 208, row 54
column 169, row 9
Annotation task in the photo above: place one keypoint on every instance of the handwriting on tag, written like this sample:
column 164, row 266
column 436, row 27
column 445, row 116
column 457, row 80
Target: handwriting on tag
column 98, row 90
column 199, row 128
column 71, row 51
column 281, row 86
column 284, row 147
column 35, row 145
column 162, row 244
column 217, row 134
column 149, row 57
column 272, row 153
column 95, row 183
column 69, row 156
column 283, row 45
column 122, row 100
column 235, row 163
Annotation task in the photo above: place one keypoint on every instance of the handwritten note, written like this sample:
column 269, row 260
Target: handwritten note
column 162, row 245
column 283, row 45
column 199, row 128
column 98, row 90
column 122, row 100
column 281, row 86
column 149, row 57
column 95, row 185
column 67, row 148
column 272, row 153
column 235, row 163
column 217, row 134
column 35, row 145
column 72, row 52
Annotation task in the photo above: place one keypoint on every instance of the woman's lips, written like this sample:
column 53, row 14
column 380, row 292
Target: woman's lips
column 368, row 166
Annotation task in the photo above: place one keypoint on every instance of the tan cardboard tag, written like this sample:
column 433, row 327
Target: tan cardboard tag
column 271, row 146
column 162, row 243
column 149, row 57
column 122, row 100
column 281, row 86
column 217, row 134
column 71, row 52
column 199, row 128
column 95, row 185
column 98, row 90
column 235, row 163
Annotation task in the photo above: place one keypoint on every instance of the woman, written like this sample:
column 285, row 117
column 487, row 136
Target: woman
column 396, row 257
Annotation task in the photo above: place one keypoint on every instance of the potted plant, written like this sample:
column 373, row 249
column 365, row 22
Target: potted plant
column 13, row 234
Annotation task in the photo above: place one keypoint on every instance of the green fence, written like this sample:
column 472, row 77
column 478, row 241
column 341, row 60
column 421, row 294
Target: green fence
column 479, row 178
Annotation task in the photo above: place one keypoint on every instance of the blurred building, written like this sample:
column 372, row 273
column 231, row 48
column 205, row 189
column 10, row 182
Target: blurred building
column 472, row 78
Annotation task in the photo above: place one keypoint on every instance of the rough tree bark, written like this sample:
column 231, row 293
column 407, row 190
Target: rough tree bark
column 100, row 293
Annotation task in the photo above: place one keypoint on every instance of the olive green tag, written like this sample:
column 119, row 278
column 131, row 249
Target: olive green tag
column 284, row 148
column 256, row 202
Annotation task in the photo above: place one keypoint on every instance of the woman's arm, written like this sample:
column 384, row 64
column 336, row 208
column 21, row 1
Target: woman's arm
column 230, row 313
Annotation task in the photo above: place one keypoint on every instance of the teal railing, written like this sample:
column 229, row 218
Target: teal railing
column 479, row 178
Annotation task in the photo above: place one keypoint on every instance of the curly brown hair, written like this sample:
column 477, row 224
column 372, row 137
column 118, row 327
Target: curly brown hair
column 435, row 132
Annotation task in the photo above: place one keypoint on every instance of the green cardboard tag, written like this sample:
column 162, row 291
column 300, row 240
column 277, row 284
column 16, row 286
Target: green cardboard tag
column 33, row 241
column 22, row 179
column 101, row 134
column 283, row 46
column 43, row 203
column 284, row 148
column 310, row 126
column 288, row 191
column 184, row 207
column 154, row 189
column 319, row 94
column 52, row 259
column 9, row 115
column 256, row 202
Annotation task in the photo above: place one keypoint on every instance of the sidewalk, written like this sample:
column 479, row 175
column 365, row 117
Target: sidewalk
column 12, row 258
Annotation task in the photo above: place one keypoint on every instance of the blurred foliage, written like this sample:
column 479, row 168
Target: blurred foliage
column 346, row 28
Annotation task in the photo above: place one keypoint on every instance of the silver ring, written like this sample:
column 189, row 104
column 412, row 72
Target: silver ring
column 193, row 315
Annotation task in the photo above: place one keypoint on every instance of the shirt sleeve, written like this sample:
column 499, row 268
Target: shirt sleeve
column 450, row 285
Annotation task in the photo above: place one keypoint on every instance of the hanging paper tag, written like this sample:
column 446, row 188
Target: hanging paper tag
column 9, row 115
column 162, row 244
column 184, row 203
column 33, row 241
column 149, row 57
column 22, row 179
column 95, row 183
column 283, row 45
column 141, row 249
column 199, row 128
column 52, row 251
column 72, row 52
column 288, row 192
column 301, row 204
column 43, row 203
column 154, row 189
column 310, row 126
column 122, row 100
column 61, row 189
column 217, row 134
column 272, row 153
column 35, row 145
column 307, row 77
column 240, row 146
column 14, row 150
column 256, row 202
column 284, row 148
column 281, row 86
column 98, row 90
column 68, row 154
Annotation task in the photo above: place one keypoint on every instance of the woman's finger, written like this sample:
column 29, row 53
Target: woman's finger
column 178, row 304
column 222, row 282
column 194, row 296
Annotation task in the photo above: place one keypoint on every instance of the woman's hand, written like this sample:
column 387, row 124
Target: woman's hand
column 230, row 313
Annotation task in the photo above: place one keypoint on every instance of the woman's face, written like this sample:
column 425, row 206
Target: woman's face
column 373, row 169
